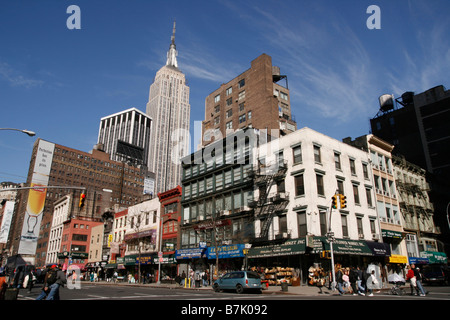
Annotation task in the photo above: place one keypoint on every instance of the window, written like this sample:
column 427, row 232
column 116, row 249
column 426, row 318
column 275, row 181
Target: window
column 229, row 125
column 356, row 194
column 216, row 120
column 317, row 157
column 241, row 106
column 241, row 95
column 340, row 186
column 216, row 109
column 229, row 113
column 337, row 161
column 229, row 101
column 302, row 227
column 217, row 98
column 249, row 115
column 359, row 225
column 241, row 83
column 282, row 224
column 320, row 187
column 297, row 152
column 283, row 96
column 242, row 118
column 344, row 225
column 229, row 91
column 352, row 167
column 299, row 185
column 369, row 197
column 323, row 222
column 365, row 171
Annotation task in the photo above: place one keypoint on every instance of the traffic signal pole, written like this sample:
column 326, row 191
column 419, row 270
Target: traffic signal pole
column 330, row 238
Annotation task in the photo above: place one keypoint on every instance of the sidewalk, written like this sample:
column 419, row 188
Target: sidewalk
column 296, row 290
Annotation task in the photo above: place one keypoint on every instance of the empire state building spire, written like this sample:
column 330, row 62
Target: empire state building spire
column 172, row 53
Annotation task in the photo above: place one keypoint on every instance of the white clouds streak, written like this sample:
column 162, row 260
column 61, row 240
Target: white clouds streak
column 14, row 78
column 327, row 65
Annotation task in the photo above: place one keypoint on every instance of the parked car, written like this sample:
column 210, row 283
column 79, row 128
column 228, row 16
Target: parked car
column 239, row 281
column 433, row 273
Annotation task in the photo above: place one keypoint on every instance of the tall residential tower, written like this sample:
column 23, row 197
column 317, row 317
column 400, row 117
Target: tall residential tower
column 168, row 106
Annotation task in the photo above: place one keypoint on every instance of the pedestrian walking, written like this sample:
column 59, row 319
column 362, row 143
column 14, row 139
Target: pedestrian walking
column 353, row 277
column 54, row 279
column 419, row 277
column 340, row 280
column 372, row 283
column 412, row 281
column 359, row 281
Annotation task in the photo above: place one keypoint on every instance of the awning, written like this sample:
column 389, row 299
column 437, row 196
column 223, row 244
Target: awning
column 379, row 249
column 229, row 251
column 290, row 247
column 298, row 246
column 434, row 256
column 193, row 253
column 111, row 266
column 395, row 258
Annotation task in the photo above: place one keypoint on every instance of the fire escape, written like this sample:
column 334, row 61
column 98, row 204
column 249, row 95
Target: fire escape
column 266, row 206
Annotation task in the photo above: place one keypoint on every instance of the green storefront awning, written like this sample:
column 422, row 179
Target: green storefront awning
column 434, row 257
column 298, row 246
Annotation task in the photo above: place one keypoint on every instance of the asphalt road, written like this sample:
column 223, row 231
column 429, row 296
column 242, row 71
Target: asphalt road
column 105, row 301
column 98, row 292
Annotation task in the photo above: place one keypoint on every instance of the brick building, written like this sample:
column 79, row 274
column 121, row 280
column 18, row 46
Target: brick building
column 255, row 98
column 108, row 183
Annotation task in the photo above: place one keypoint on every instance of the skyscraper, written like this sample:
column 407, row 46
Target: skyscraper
column 168, row 106
column 132, row 128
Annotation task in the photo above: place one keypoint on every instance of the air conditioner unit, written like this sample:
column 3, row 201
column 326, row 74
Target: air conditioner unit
column 226, row 212
column 375, row 236
column 361, row 235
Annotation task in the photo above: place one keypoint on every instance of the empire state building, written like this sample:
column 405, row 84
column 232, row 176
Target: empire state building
column 168, row 106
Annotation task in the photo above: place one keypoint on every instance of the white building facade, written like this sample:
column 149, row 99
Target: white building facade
column 130, row 126
column 61, row 213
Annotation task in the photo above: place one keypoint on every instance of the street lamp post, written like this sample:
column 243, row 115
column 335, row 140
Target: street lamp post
column 28, row 132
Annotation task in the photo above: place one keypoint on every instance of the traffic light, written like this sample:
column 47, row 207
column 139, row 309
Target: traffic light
column 325, row 254
column 82, row 199
column 343, row 201
column 334, row 202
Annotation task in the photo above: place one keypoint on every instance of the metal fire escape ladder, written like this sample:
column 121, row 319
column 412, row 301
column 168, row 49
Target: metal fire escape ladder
column 269, row 206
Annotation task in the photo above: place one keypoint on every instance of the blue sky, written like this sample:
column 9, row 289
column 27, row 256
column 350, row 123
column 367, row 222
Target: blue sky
column 60, row 82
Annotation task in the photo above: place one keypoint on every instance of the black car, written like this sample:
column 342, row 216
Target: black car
column 434, row 274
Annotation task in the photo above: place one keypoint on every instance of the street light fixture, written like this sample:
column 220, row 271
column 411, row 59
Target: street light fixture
column 28, row 132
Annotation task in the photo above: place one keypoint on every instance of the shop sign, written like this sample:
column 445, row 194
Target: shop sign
column 379, row 249
column 418, row 260
column 164, row 259
column 193, row 253
column 146, row 233
column 230, row 251
column 290, row 247
column 395, row 258
column 391, row 234
column 347, row 246
column 210, row 224
column 129, row 260
column 434, row 257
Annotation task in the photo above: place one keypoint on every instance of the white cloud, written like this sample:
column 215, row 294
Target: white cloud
column 14, row 78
